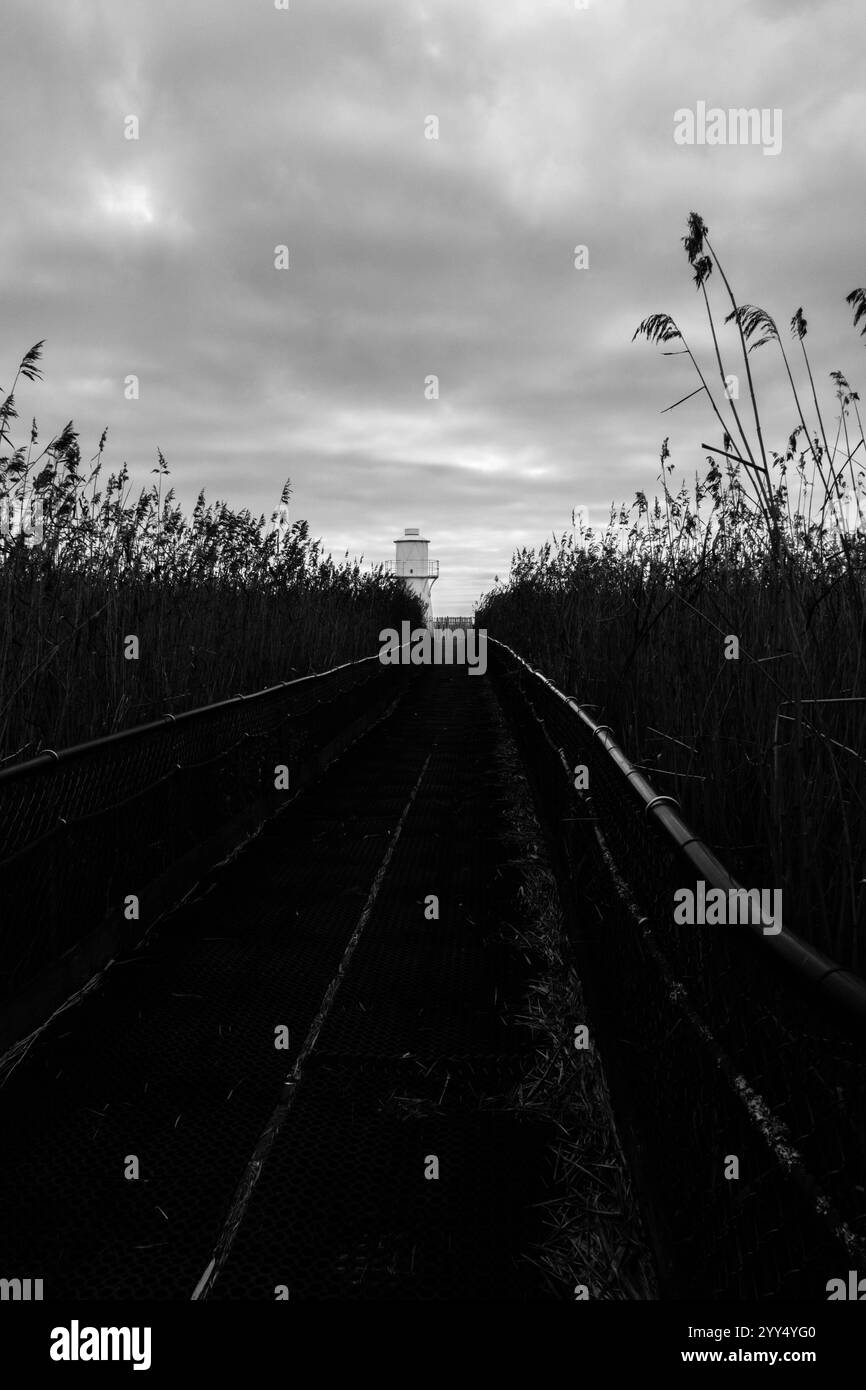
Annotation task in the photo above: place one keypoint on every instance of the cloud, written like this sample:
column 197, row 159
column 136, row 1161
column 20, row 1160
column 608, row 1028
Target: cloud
column 408, row 256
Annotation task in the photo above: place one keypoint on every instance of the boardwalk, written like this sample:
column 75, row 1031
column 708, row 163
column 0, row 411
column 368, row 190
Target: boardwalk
column 312, row 1078
column 398, row 1048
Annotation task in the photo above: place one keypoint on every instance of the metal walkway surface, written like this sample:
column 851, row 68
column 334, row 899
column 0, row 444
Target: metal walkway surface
column 372, row 1157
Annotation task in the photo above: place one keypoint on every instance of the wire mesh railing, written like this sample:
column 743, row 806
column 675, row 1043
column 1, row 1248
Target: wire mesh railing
column 721, row 1043
column 98, row 840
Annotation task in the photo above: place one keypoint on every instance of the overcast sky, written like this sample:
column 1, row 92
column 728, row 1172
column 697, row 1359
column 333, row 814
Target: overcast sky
column 409, row 256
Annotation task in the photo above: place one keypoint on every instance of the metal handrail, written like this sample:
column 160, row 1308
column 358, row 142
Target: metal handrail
column 50, row 758
column 840, row 988
column 155, row 807
column 404, row 570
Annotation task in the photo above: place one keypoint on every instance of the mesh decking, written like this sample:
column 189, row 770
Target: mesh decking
column 144, row 812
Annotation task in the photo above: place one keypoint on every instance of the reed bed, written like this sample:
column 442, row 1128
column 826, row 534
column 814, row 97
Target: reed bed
column 220, row 601
column 762, row 740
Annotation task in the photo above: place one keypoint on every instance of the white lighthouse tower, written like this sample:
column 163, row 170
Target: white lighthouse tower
column 415, row 568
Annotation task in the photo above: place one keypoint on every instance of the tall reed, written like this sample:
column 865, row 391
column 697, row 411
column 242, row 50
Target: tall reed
column 766, row 751
column 221, row 601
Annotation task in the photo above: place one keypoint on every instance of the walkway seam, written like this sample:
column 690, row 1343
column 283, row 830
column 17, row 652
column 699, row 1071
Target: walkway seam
column 252, row 1173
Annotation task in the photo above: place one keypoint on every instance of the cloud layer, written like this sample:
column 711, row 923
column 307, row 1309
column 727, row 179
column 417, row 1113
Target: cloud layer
column 411, row 257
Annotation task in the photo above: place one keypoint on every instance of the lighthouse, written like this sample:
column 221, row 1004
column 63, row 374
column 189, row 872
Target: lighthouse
column 415, row 568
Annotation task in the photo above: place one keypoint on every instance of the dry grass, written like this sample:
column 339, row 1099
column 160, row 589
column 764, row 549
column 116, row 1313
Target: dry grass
column 594, row 1235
